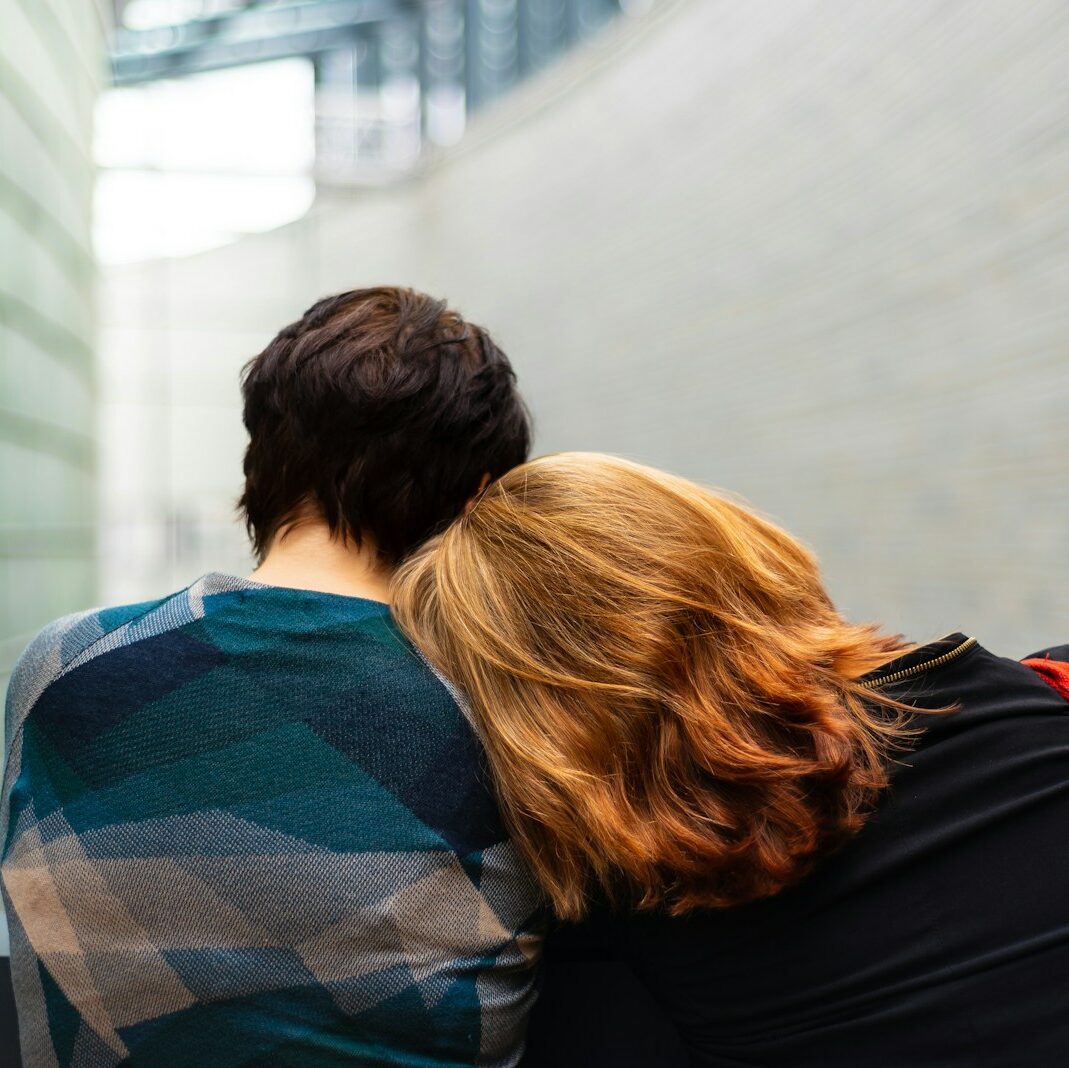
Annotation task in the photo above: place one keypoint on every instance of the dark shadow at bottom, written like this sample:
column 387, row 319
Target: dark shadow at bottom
column 9, row 1031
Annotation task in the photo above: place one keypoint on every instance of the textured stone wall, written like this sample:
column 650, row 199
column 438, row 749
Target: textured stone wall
column 51, row 65
column 814, row 251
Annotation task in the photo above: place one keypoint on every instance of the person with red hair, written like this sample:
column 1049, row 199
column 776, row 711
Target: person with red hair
column 815, row 843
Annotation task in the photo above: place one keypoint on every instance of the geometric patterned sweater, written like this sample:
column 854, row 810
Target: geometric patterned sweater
column 247, row 825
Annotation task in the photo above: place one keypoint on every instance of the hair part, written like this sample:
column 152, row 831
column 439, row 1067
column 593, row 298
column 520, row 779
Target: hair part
column 667, row 696
column 378, row 411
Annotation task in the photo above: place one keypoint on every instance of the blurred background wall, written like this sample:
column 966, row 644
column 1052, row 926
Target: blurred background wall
column 52, row 64
column 812, row 251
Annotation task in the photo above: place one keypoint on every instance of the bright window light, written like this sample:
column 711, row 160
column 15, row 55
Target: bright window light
column 152, row 14
column 190, row 164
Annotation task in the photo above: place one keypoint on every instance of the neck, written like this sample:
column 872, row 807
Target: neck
column 307, row 556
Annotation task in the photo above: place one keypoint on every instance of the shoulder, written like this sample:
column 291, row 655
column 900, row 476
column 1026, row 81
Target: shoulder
column 421, row 673
column 1052, row 666
column 56, row 648
column 1053, row 652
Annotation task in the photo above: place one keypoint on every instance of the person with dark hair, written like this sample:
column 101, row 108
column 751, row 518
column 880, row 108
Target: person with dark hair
column 378, row 415
column 246, row 823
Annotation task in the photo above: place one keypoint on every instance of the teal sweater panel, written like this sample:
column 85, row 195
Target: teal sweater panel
column 247, row 825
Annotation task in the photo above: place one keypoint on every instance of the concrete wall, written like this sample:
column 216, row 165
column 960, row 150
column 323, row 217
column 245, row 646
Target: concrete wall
column 51, row 54
column 51, row 65
column 814, row 251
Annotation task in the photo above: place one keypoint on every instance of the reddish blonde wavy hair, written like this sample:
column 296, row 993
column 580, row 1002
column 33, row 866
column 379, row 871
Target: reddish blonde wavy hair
column 667, row 696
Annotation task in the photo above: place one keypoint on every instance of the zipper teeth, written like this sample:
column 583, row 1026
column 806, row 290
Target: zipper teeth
column 905, row 673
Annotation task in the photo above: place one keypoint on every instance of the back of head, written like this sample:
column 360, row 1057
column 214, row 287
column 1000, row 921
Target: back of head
column 379, row 411
column 666, row 692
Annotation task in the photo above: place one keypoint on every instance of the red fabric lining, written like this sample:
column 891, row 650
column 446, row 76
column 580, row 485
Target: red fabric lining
column 1053, row 672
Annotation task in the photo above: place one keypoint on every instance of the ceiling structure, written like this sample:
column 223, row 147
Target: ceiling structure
column 391, row 75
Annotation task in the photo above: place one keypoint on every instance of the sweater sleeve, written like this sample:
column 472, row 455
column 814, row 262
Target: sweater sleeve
column 41, row 663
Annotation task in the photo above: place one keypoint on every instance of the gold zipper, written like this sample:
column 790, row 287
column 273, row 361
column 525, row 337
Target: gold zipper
column 905, row 673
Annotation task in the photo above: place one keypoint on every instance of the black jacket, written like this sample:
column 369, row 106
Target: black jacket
column 939, row 938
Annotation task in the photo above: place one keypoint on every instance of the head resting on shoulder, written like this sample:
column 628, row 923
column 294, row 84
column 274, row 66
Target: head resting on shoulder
column 667, row 695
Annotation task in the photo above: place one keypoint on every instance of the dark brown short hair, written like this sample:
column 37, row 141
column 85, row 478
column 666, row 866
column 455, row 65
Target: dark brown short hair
column 381, row 409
